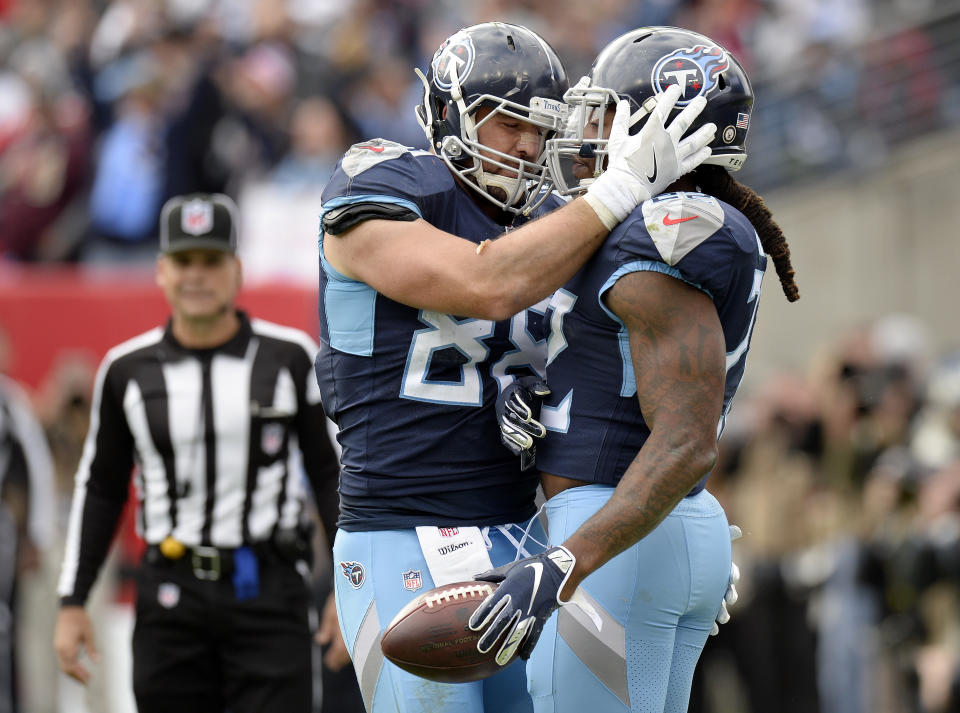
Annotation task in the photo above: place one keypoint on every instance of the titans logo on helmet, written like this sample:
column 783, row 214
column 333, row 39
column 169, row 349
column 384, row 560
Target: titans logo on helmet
column 454, row 58
column 695, row 69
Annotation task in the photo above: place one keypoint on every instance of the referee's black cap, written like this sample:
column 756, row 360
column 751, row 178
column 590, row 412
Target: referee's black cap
column 205, row 221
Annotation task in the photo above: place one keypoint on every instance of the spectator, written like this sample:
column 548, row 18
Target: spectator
column 43, row 173
column 318, row 138
column 126, row 194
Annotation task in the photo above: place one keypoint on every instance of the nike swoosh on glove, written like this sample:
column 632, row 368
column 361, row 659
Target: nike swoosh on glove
column 518, row 409
column 643, row 165
column 529, row 592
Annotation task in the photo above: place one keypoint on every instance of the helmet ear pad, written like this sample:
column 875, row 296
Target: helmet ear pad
column 441, row 126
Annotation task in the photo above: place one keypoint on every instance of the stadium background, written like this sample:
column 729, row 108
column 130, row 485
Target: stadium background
column 842, row 458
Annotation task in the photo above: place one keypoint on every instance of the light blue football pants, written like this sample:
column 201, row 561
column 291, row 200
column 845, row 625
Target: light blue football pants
column 658, row 601
column 370, row 589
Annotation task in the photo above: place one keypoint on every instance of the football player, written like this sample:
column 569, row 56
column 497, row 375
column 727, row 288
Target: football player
column 423, row 321
column 647, row 346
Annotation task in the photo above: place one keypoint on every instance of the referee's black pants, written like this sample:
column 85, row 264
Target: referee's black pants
column 197, row 649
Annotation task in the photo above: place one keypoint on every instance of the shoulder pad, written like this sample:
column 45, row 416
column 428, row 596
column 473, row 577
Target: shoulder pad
column 360, row 157
column 679, row 222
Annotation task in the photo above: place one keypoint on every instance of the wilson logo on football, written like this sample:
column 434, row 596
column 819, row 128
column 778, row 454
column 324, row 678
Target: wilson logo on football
column 695, row 69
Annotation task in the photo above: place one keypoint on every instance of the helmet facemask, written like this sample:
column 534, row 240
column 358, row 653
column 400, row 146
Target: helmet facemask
column 579, row 154
column 638, row 66
column 526, row 183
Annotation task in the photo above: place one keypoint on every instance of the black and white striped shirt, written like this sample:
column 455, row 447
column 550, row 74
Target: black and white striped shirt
column 217, row 436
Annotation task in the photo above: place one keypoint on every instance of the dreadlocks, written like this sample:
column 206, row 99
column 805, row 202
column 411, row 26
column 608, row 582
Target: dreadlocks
column 716, row 181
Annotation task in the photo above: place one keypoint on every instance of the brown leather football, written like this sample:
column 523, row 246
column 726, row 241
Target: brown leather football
column 429, row 637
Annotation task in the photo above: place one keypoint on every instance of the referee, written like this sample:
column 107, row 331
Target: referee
column 216, row 412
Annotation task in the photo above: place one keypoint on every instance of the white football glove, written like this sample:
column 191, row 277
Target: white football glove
column 730, row 598
column 641, row 166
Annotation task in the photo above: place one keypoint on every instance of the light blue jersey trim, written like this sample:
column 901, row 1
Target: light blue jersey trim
column 351, row 304
column 628, row 385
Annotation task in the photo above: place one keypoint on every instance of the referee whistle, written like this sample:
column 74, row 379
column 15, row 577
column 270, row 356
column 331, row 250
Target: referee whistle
column 172, row 548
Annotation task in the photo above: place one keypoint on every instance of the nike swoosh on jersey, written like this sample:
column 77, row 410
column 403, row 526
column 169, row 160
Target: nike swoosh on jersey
column 667, row 220
column 653, row 177
column 378, row 149
column 537, row 573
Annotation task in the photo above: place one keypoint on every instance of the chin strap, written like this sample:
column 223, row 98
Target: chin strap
column 514, row 188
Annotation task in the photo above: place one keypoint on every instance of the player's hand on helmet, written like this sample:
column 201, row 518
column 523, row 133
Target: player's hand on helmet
column 731, row 596
column 641, row 166
column 515, row 613
column 518, row 409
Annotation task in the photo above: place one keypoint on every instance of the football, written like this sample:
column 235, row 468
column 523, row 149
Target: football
column 429, row 637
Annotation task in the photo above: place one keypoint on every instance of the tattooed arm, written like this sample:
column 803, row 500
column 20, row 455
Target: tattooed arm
column 678, row 351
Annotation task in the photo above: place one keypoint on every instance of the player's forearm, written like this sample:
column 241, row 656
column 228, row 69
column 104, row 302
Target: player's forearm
column 660, row 476
column 426, row 268
column 531, row 263
column 501, row 277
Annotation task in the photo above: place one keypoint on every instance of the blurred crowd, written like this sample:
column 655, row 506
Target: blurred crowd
column 108, row 107
column 846, row 480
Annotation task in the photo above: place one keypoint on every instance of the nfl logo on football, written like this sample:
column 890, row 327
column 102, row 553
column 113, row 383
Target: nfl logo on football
column 412, row 580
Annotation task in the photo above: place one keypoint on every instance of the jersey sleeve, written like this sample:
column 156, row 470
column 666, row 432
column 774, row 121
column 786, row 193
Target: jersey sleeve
column 388, row 175
column 690, row 236
column 101, row 487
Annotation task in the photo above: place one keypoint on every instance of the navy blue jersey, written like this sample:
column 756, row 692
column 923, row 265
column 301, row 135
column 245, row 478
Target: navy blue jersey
column 413, row 390
column 595, row 427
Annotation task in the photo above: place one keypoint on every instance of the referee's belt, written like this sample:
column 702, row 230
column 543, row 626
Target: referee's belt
column 210, row 563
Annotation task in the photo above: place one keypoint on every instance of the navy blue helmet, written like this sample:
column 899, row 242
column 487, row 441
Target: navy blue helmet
column 514, row 72
column 641, row 64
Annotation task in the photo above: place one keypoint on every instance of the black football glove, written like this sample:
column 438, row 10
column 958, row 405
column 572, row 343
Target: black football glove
column 529, row 591
column 518, row 409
